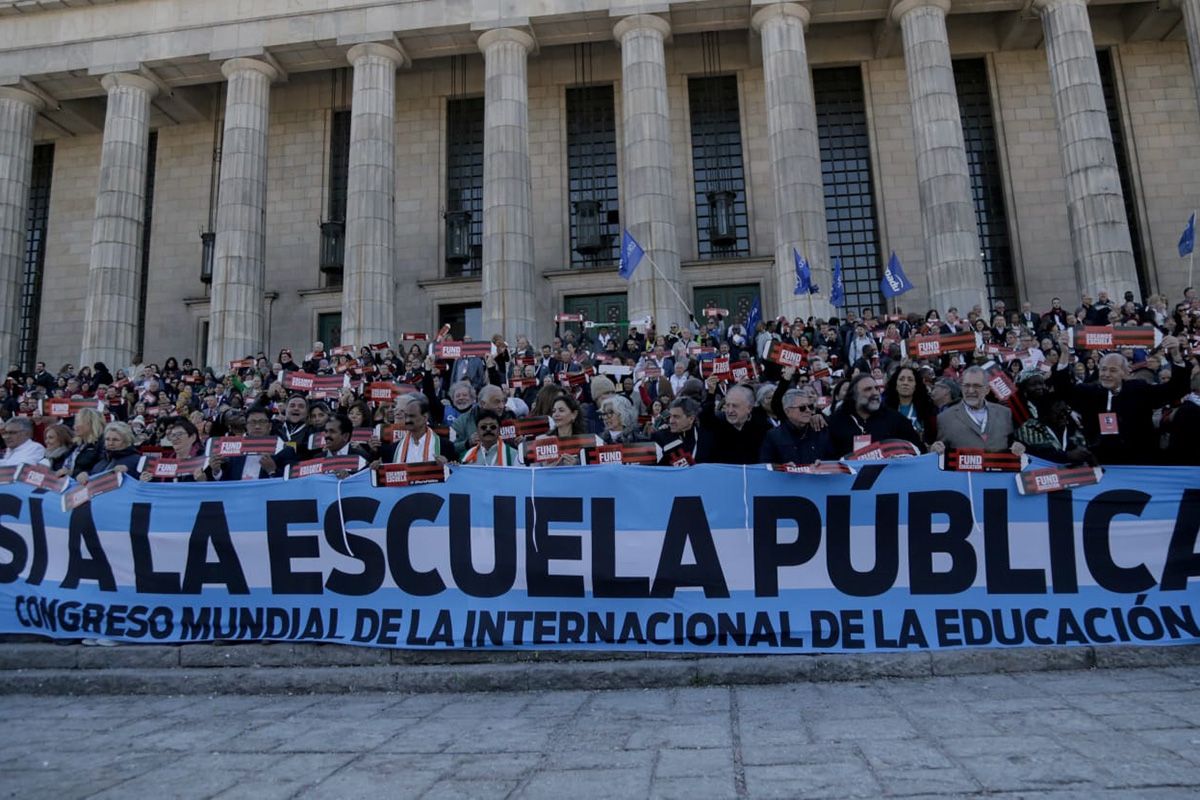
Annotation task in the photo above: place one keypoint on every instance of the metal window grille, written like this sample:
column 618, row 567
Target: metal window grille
column 592, row 176
column 987, row 182
column 147, row 221
column 722, row 223
column 1112, row 103
column 464, row 185
column 36, row 221
column 849, row 191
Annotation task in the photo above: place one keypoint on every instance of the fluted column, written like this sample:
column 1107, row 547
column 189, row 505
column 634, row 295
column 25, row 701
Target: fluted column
column 649, row 212
column 1100, row 242
column 953, row 263
column 795, row 151
column 369, row 290
column 236, row 320
column 1191, row 24
column 508, row 299
column 18, row 113
column 110, row 314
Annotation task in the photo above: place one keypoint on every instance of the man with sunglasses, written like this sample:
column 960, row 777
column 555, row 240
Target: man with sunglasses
column 796, row 441
column 490, row 451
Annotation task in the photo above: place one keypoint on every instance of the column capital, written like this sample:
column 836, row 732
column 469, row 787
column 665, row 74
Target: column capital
column 1040, row 6
column 22, row 96
column 638, row 22
column 905, row 6
column 378, row 50
column 114, row 80
column 778, row 10
column 234, row 65
column 498, row 35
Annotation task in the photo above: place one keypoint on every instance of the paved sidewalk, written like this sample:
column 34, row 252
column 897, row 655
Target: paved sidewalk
column 1083, row 734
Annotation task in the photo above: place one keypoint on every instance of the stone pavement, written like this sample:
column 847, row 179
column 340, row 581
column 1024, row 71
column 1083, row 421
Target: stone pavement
column 1120, row 733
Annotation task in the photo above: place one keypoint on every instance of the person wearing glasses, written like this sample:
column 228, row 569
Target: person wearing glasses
column 620, row 421
column 19, row 446
column 491, row 451
column 796, row 441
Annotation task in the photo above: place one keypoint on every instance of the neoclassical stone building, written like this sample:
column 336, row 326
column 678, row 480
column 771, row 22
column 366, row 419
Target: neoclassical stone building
column 209, row 179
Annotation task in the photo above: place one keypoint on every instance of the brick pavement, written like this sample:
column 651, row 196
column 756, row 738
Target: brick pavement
column 1082, row 734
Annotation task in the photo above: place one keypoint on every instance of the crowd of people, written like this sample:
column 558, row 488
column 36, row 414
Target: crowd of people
column 709, row 391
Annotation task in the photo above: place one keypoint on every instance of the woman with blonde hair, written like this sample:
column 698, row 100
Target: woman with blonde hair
column 120, row 455
column 89, row 449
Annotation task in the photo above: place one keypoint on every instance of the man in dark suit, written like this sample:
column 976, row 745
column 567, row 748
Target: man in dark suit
column 684, row 435
column 1030, row 318
column 739, row 430
column 249, row 467
column 419, row 442
column 470, row 369
column 338, row 432
column 976, row 424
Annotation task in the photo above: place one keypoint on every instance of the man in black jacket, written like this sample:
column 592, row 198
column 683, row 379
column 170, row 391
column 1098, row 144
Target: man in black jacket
column 739, row 430
column 796, row 441
column 1118, row 413
column 248, row 468
column 684, row 437
column 863, row 419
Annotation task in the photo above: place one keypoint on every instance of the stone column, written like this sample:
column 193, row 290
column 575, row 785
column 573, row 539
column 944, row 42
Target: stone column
column 953, row 264
column 795, row 158
column 236, row 319
column 18, row 113
column 508, row 299
column 110, row 314
column 649, row 212
column 1100, row 242
column 1191, row 23
column 369, row 291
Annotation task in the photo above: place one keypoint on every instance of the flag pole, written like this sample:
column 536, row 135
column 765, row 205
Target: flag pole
column 1191, row 256
column 669, row 284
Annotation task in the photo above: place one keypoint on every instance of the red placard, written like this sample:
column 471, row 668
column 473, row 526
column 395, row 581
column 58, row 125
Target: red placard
column 932, row 346
column 638, row 453
column 787, row 355
column 1105, row 338
column 522, row 383
column 382, row 392
column 396, row 476
column 676, row 455
column 364, row 435
column 720, row 367
column 514, row 429
column 742, row 371
column 41, row 477
column 378, row 346
column 230, row 446
column 168, row 468
column 324, row 466
column 894, row 448
column 63, row 409
column 823, row 468
column 1043, row 481
column 242, row 363
column 568, row 317
column 298, row 381
column 9, row 474
column 449, row 351
column 974, row 460
column 98, row 485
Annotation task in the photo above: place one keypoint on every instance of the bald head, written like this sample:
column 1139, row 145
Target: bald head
column 739, row 402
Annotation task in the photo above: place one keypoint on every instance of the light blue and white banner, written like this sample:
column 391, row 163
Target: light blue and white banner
column 899, row 556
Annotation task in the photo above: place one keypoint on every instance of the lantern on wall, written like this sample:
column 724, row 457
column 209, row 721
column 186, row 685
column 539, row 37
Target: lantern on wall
column 722, row 220
column 333, row 246
column 458, row 236
column 208, row 252
column 589, row 234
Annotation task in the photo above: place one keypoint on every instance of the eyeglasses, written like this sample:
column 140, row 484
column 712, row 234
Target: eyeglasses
column 488, row 427
column 608, row 413
column 800, row 408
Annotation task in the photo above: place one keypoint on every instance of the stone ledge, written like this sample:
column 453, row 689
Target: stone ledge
column 311, row 669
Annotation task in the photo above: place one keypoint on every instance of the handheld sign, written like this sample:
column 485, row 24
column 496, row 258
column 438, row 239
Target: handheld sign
column 786, row 355
column 297, row 381
column 99, row 484
column 1051, row 479
column 676, row 455
column 514, row 429
column 638, row 453
column 892, row 448
column 933, row 346
column 241, row 363
column 41, row 477
column 8, row 474
column 231, row 446
column 396, row 476
column 168, row 468
column 973, row 460
column 324, row 466
column 450, row 351
column 1103, row 338
column 824, row 468
column 63, row 408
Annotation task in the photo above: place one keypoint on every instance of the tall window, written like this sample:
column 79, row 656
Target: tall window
column 846, row 174
column 464, row 186
column 36, row 221
column 333, row 229
column 722, row 225
column 147, row 221
column 987, row 183
column 592, row 172
column 1108, row 81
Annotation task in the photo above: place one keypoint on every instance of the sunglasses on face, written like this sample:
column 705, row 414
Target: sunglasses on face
column 489, row 427
column 800, row 408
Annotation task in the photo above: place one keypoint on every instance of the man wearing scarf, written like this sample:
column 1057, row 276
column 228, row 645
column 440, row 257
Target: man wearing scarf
column 490, row 451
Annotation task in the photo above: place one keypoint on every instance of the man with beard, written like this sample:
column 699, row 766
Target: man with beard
column 976, row 424
column 863, row 419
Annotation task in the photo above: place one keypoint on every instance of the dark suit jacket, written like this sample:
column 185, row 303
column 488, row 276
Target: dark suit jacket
column 233, row 468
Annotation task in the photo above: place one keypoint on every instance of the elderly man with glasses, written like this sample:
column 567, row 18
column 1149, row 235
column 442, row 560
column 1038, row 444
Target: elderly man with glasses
column 796, row 441
column 19, row 446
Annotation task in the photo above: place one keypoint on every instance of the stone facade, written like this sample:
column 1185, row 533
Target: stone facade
column 1157, row 100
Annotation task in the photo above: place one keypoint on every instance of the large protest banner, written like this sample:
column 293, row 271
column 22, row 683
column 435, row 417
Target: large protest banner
column 898, row 555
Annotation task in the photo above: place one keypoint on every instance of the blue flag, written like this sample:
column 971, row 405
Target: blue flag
column 631, row 256
column 1187, row 242
column 803, row 274
column 894, row 282
column 837, row 296
column 754, row 317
